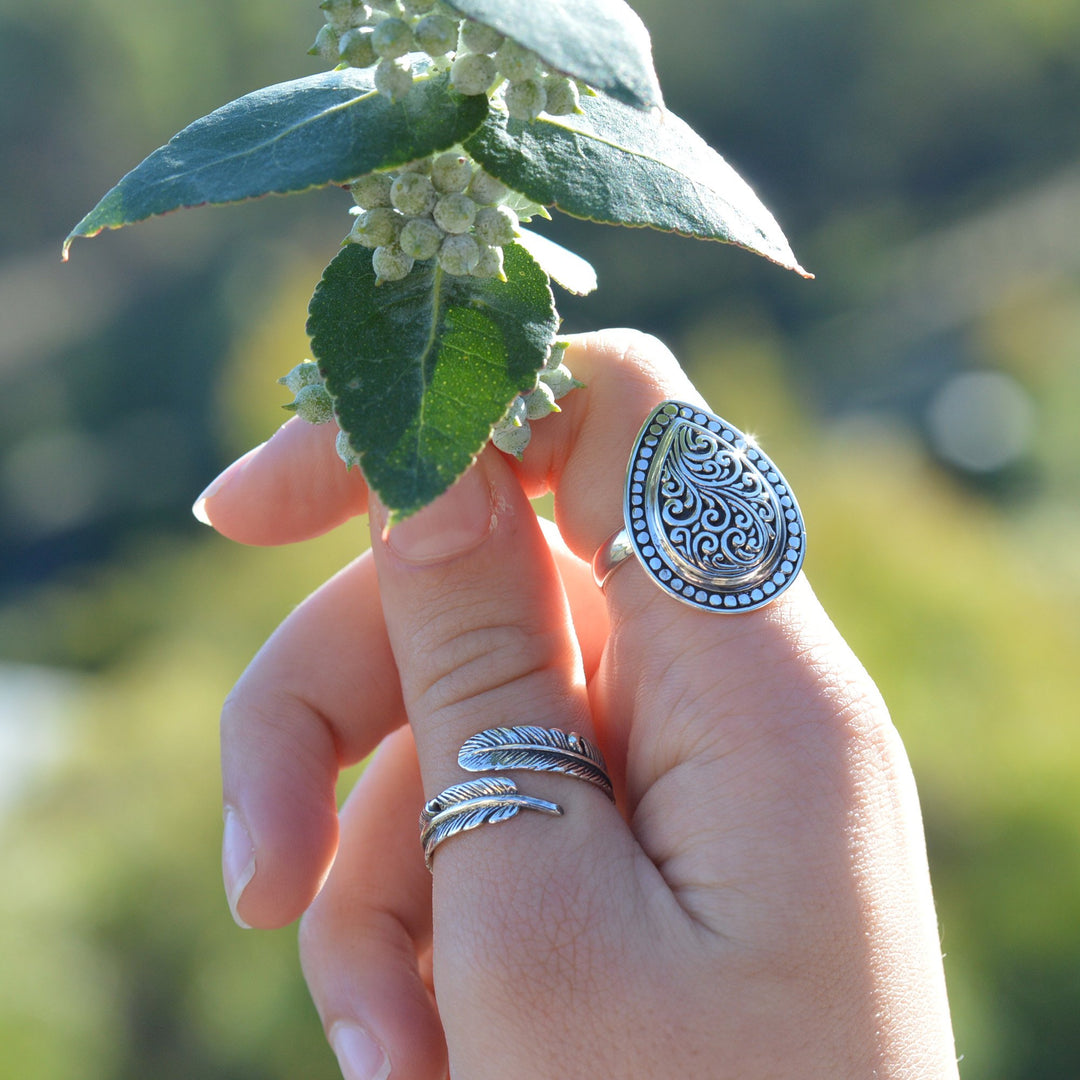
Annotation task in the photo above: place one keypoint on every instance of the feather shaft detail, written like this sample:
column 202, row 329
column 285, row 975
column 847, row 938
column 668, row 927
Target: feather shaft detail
column 536, row 749
column 471, row 804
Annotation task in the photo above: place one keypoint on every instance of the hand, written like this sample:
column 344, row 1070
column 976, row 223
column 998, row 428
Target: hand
column 758, row 904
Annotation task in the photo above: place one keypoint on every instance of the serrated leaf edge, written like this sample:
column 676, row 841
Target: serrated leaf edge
column 78, row 233
column 782, row 255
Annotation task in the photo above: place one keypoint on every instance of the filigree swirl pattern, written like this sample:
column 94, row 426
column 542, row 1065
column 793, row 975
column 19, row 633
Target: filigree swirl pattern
column 709, row 516
column 716, row 511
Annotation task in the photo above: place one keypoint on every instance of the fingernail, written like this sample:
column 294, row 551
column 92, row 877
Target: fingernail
column 215, row 485
column 198, row 508
column 453, row 524
column 237, row 861
column 359, row 1056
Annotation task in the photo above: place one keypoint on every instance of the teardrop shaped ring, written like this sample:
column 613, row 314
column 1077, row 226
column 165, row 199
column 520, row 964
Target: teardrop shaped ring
column 708, row 515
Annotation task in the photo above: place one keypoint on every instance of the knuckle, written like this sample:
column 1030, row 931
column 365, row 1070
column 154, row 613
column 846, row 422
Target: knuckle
column 465, row 665
column 277, row 735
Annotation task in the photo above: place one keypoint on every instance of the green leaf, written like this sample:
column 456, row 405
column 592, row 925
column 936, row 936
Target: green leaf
column 421, row 369
column 601, row 42
column 569, row 269
column 622, row 166
column 525, row 209
column 323, row 129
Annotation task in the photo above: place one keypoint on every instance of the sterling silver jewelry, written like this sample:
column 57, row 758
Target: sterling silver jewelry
column 708, row 515
column 538, row 750
column 472, row 804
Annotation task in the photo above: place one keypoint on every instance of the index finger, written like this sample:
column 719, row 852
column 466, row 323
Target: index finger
column 294, row 487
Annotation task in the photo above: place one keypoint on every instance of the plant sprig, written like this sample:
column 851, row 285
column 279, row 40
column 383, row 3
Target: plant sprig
column 435, row 328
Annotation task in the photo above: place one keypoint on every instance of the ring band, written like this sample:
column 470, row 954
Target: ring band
column 614, row 551
column 709, row 516
column 466, row 806
column 536, row 749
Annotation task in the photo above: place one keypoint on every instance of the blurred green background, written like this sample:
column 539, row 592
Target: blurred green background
column 922, row 394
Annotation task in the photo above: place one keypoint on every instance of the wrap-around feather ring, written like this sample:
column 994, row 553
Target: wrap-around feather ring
column 489, row 800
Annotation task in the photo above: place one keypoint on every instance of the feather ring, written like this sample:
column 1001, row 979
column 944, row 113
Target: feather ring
column 471, row 804
column 538, row 750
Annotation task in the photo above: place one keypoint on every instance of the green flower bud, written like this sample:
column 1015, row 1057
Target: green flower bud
column 306, row 373
column 417, row 7
column 496, row 225
column 421, row 238
column 455, row 213
column 459, row 254
column 393, row 79
column 562, row 96
column 356, row 49
column 451, row 172
column 371, row 190
column 343, row 14
column 485, row 190
column 390, row 263
column 512, row 440
column 389, row 8
column 555, row 355
column 525, row 100
column 540, row 402
column 392, row 38
column 475, row 37
column 345, row 451
column 435, row 34
column 472, row 74
column 516, row 415
column 560, row 380
column 413, row 194
column 516, row 63
column 326, row 44
column 490, row 263
column 376, row 227
column 314, row 404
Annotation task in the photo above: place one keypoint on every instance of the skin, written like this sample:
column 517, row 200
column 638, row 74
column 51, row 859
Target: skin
column 757, row 905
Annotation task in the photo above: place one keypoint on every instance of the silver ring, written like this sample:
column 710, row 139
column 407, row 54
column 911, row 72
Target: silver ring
column 466, row 806
column 710, row 518
column 614, row 551
column 538, row 750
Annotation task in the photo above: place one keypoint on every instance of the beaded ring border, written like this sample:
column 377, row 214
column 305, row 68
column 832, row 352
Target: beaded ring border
column 709, row 516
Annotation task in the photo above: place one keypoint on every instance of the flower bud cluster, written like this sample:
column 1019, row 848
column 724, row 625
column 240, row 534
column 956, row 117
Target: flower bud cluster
column 312, row 401
column 385, row 34
column 486, row 62
column 443, row 207
column 513, row 432
column 382, row 34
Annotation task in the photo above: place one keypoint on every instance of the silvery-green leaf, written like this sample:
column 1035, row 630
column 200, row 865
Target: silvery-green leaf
column 324, row 129
column 421, row 369
column 569, row 269
column 601, row 42
column 622, row 166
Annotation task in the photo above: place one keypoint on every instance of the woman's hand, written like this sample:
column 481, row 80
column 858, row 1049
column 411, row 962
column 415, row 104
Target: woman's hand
column 758, row 903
